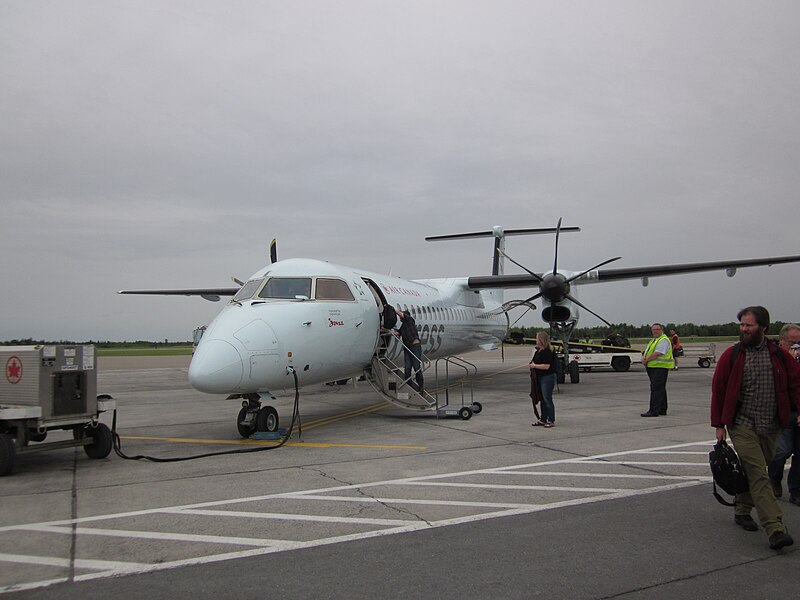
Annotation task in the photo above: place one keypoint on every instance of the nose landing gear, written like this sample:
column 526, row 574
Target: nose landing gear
column 255, row 417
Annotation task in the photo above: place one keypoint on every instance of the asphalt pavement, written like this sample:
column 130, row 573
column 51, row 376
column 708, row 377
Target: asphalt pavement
column 373, row 501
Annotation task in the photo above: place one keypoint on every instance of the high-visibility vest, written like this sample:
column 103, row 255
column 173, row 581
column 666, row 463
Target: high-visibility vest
column 665, row 361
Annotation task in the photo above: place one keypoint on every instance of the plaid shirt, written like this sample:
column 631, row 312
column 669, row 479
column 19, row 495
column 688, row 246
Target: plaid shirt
column 757, row 407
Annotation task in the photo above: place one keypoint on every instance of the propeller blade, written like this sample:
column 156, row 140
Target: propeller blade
column 273, row 251
column 605, row 262
column 534, row 275
column 555, row 254
column 532, row 298
column 584, row 307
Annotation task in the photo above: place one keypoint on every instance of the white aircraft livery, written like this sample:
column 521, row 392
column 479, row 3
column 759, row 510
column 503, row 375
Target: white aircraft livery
column 299, row 322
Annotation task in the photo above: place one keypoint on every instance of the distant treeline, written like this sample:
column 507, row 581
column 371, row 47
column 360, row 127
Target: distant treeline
column 98, row 344
column 643, row 331
column 624, row 329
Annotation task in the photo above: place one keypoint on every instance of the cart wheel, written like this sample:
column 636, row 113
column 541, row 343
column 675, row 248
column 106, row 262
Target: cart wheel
column 620, row 363
column 103, row 441
column 7, row 453
column 244, row 430
column 476, row 408
column 704, row 362
column 574, row 372
column 35, row 436
column 267, row 419
column 465, row 412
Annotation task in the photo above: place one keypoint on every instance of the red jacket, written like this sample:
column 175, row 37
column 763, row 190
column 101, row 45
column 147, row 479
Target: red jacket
column 728, row 380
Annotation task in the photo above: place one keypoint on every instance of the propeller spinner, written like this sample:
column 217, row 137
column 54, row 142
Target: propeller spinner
column 555, row 287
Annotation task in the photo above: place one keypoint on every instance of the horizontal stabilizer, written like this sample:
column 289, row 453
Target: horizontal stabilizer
column 507, row 232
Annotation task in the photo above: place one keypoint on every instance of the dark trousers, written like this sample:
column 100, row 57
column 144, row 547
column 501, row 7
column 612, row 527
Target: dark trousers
column 413, row 360
column 788, row 445
column 658, row 390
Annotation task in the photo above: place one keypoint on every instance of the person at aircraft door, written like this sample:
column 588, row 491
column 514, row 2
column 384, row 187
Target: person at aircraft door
column 789, row 440
column 657, row 359
column 412, row 348
column 544, row 362
column 756, row 385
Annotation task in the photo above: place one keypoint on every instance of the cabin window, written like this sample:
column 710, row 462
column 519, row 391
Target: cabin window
column 333, row 289
column 247, row 290
column 286, row 287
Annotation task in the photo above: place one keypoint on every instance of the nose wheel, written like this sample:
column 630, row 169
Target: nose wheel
column 254, row 417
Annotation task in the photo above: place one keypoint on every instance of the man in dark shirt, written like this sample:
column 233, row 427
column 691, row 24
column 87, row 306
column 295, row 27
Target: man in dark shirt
column 412, row 348
column 755, row 385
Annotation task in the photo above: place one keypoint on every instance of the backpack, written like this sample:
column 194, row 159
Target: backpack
column 727, row 472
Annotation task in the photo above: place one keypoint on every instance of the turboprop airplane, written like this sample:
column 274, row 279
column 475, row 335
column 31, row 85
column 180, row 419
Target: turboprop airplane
column 300, row 321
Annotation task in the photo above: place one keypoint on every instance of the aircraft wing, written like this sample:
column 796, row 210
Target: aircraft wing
column 602, row 275
column 212, row 294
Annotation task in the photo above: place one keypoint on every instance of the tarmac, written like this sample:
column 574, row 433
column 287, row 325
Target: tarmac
column 373, row 501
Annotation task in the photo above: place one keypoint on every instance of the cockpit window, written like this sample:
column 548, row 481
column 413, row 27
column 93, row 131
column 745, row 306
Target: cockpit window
column 333, row 289
column 247, row 290
column 286, row 287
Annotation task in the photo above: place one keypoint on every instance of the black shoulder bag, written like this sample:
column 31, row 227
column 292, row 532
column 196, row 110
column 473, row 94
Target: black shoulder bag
column 727, row 472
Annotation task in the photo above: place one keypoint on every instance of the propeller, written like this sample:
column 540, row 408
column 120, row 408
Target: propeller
column 555, row 287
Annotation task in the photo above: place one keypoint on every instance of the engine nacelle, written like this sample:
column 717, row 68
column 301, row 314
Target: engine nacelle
column 556, row 313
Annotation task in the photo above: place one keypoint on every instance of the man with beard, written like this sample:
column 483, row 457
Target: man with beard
column 756, row 383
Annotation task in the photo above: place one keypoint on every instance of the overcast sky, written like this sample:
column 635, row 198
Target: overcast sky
column 162, row 144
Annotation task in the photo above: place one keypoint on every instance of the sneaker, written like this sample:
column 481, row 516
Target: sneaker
column 780, row 539
column 794, row 497
column 777, row 489
column 549, row 424
column 538, row 424
column 745, row 522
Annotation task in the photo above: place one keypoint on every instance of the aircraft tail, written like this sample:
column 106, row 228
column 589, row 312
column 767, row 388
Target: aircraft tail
column 499, row 234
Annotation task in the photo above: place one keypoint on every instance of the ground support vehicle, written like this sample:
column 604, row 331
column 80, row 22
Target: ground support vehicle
column 47, row 388
column 705, row 354
column 585, row 357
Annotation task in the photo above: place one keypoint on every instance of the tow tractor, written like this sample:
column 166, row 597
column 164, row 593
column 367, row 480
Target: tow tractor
column 46, row 388
column 585, row 357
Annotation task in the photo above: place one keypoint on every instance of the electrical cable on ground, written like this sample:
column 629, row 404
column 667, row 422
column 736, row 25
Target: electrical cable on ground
column 295, row 418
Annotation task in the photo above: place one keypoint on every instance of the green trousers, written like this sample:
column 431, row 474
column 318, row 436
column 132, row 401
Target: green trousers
column 755, row 453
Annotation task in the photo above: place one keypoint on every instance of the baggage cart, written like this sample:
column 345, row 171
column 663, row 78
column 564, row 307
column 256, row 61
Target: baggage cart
column 46, row 388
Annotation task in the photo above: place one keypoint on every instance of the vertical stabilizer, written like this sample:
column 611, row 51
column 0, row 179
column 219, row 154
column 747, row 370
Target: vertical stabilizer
column 499, row 246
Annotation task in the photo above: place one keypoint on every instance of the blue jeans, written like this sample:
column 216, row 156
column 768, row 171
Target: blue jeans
column 546, row 384
column 788, row 445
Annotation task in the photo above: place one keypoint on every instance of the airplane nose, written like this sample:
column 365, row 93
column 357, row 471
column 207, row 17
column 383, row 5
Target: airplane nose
column 216, row 367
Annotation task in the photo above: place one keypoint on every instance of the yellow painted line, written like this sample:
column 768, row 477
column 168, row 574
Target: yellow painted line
column 490, row 375
column 268, row 443
column 347, row 415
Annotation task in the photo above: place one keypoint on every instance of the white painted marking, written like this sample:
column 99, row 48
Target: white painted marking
column 491, row 486
column 385, row 526
column 651, row 463
column 607, row 475
column 157, row 535
column 288, row 517
column 416, row 501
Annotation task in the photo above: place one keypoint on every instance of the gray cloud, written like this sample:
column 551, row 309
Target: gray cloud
column 163, row 144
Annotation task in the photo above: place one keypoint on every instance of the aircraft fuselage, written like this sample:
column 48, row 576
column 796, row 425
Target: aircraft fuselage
column 323, row 320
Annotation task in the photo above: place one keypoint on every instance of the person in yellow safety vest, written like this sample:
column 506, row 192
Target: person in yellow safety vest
column 658, row 360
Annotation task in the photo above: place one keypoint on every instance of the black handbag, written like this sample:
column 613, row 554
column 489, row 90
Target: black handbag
column 727, row 471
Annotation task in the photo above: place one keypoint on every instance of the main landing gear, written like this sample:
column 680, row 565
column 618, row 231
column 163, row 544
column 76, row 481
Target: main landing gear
column 255, row 417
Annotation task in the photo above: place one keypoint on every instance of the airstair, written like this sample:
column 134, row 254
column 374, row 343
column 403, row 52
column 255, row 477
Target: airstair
column 388, row 379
